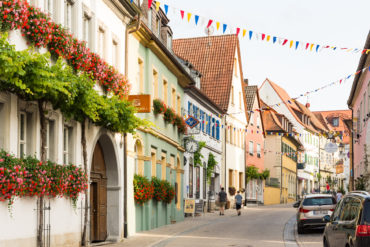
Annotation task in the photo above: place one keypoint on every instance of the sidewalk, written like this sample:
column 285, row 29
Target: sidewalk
column 161, row 235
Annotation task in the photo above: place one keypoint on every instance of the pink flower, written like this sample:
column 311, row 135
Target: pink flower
column 1, row 160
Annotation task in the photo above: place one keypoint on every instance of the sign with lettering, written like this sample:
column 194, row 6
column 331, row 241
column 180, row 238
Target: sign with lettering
column 189, row 207
column 141, row 102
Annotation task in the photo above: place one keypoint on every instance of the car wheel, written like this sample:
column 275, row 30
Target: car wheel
column 326, row 244
column 300, row 230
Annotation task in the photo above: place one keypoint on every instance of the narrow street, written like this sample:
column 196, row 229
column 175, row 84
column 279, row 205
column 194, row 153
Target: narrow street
column 257, row 226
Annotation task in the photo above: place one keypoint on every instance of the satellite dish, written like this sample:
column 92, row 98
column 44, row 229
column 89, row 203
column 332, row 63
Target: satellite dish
column 209, row 30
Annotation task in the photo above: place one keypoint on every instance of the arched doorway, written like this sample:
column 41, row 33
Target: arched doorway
column 98, row 196
column 106, row 198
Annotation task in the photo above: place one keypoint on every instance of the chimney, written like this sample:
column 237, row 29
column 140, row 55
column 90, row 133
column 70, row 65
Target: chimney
column 245, row 82
column 308, row 105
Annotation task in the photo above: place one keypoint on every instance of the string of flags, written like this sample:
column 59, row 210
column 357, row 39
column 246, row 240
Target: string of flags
column 250, row 34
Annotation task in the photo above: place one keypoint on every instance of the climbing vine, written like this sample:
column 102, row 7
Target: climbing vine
column 210, row 166
column 198, row 155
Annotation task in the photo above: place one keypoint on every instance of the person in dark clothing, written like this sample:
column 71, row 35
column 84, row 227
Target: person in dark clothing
column 238, row 202
column 222, row 198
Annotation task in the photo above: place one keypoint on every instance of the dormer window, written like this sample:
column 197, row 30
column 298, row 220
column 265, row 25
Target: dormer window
column 169, row 41
column 335, row 122
column 158, row 26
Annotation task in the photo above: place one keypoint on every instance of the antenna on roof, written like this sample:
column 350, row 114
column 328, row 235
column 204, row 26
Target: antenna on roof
column 209, row 31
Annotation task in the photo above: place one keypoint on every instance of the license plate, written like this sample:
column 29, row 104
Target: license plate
column 324, row 212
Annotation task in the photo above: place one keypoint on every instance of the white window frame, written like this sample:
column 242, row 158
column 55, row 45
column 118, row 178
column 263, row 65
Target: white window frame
column 258, row 150
column 65, row 144
column 68, row 14
column 24, row 140
column 49, row 6
column 101, row 41
column 86, row 28
column 115, row 52
column 251, row 148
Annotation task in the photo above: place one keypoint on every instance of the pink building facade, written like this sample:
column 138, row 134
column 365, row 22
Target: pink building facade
column 255, row 138
column 359, row 103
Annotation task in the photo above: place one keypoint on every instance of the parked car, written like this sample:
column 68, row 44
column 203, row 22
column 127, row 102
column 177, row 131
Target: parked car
column 312, row 209
column 349, row 225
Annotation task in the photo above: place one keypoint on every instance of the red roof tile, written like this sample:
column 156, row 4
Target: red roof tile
column 213, row 57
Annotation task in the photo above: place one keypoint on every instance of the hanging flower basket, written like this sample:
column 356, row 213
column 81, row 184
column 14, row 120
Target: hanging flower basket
column 143, row 189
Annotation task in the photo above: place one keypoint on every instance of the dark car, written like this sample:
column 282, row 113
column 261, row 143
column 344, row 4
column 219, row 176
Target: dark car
column 349, row 225
column 311, row 210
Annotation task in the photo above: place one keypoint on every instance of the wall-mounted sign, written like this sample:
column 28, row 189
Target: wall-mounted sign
column 339, row 169
column 189, row 207
column 331, row 147
column 141, row 102
column 191, row 121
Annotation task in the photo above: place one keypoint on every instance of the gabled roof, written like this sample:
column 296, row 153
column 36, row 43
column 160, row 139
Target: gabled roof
column 213, row 57
column 313, row 120
column 270, row 120
column 360, row 66
column 250, row 95
column 291, row 104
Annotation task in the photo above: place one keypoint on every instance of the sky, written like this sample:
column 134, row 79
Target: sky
column 341, row 23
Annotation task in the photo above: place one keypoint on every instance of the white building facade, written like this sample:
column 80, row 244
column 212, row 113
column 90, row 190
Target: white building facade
column 102, row 25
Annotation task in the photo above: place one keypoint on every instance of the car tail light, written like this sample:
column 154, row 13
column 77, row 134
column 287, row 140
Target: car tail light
column 332, row 209
column 302, row 210
column 363, row 231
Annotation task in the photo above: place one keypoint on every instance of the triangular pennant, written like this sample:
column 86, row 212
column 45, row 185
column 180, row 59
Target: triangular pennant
column 296, row 44
column 182, row 14
column 237, row 31
column 273, row 40
column 209, row 23
column 157, row 4
column 217, row 25
column 244, row 32
column 224, row 26
column 150, row 3
column 307, row 45
column 285, row 41
column 166, row 9
column 196, row 18
column 263, row 36
column 189, row 17
column 250, row 34
column 317, row 48
column 291, row 44
column 268, row 38
column 312, row 45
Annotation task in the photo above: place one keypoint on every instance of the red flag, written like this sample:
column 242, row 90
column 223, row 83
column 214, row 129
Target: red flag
column 209, row 23
column 285, row 41
column 307, row 45
column 340, row 81
column 182, row 14
column 263, row 36
column 150, row 3
column 237, row 31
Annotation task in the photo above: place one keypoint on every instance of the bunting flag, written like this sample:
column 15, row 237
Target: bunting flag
column 150, row 3
column 263, row 36
column 217, row 25
column 157, row 4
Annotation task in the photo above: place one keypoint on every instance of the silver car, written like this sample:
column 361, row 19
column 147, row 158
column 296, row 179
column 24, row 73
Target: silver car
column 312, row 209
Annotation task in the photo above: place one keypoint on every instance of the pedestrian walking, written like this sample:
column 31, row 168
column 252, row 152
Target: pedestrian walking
column 238, row 202
column 222, row 198
column 339, row 196
column 327, row 187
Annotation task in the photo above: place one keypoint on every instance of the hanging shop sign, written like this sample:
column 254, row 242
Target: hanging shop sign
column 191, row 121
column 331, row 147
column 141, row 102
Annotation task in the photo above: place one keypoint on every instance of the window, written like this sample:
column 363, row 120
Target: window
column 67, row 145
column 259, row 150
column 364, row 110
column 115, row 53
column 173, row 98
column 197, row 177
column 213, row 128
column 3, row 125
column 350, row 209
column 155, row 85
column 154, row 162
column 204, row 180
column 240, row 180
column 68, row 18
column 86, row 29
column 158, row 26
column 22, row 134
column 50, row 140
column 101, row 42
column 164, row 166
column 169, row 41
column 141, row 75
column 48, row 6
column 190, row 108
column 164, row 93
column 236, row 67
column 191, row 165
column 231, row 182
column 251, row 119
column 232, row 95
column 258, row 122
column 250, row 148
column 178, row 104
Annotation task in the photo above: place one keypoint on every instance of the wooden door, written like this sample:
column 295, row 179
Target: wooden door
column 98, row 197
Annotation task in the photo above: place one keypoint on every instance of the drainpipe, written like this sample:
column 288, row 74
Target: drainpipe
column 352, row 172
column 125, row 175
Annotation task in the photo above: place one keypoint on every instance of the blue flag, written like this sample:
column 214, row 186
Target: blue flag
column 250, row 34
column 296, row 44
column 317, row 48
column 224, row 28
column 166, row 8
column 196, row 17
column 273, row 40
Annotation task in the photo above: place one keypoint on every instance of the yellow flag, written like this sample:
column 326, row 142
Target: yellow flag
column 268, row 38
column 157, row 4
column 244, row 32
column 311, row 47
column 291, row 44
column 189, row 16
column 217, row 25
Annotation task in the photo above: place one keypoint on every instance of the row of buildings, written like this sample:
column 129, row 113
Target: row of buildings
column 200, row 78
